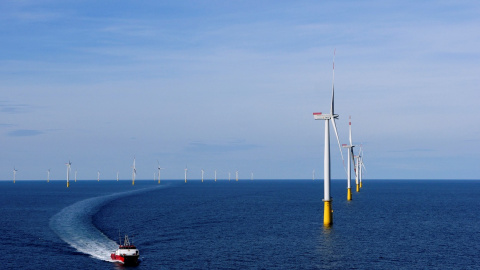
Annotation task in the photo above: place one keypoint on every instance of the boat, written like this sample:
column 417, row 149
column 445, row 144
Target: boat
column 126, row 254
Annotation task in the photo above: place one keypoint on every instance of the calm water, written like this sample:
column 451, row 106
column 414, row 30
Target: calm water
column 421, row 224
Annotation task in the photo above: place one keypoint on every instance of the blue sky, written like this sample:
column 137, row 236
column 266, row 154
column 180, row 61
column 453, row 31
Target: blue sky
column 232, row 85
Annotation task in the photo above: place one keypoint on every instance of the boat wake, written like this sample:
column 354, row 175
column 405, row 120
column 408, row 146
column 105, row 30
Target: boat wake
column 74, row 225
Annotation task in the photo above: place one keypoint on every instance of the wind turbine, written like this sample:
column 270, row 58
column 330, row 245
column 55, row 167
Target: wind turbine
column 48, row 175
column 117, row 176
column 134, row 172
column 361, row 166
column 186, row 173
column 229, row 176
column 350, row 156
column 98, row 176
column 236, row 176
column 158, row 167
column 215, row 175
column 75, row 176
column 14, row 174
column 313, row 175
column 202, row 174
column 327, row 210
column 69, row 164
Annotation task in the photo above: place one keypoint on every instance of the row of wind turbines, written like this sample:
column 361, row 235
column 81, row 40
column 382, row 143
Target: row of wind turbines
column 356, row 159
column 134, row 174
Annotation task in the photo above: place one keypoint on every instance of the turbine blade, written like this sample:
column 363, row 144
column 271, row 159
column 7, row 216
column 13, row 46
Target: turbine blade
column 350, row 130
column 338, row 140
column 333, row 85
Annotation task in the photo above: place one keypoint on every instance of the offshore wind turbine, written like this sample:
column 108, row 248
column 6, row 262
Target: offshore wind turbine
column 134, row 172
column 313, row 175
column 75, row 176
column 186, row 173
column 202, row 174
column 158, row 167
column 350, row 158
column 117, row 176
column 215, row 175
column 48, row 175
column 236, row 176
column 98, row 176
column 14, row 174
column 69, row 164
column 327, row 210
column 229, row 176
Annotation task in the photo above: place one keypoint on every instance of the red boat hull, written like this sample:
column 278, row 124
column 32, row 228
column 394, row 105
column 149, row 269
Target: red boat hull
column 127, row 260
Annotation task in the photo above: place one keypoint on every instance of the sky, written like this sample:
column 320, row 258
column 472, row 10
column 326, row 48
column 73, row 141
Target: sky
column 232, row 85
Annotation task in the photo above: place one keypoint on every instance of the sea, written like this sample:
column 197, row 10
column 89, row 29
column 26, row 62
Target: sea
column 249, row 224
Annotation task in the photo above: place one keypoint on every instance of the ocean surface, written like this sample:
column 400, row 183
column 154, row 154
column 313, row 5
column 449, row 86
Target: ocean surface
column 259, row 224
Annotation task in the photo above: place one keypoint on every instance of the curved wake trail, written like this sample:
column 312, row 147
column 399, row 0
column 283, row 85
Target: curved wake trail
column 73, row 224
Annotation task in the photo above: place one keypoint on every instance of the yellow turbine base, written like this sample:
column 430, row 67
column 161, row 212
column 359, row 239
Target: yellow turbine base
column 358, row 188
column 133, row 183
column 327, row 214
column 68, row 184
column 349, row 194
column 360, row 184
column 159, row 181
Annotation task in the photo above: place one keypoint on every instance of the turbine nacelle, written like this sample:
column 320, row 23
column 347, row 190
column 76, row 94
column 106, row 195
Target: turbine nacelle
column 324, row 116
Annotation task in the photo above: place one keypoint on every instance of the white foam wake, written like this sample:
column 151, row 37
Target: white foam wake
column 73, row 224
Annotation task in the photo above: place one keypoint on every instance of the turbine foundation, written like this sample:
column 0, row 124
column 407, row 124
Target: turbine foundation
column 327, row 214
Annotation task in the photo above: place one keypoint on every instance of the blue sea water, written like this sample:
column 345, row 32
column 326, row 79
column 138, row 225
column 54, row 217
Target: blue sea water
column 260, row 224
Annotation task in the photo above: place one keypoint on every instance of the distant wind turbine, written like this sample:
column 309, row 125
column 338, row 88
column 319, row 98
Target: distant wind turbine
column 202, row 174
column 14, row 174
column 328, row 213
column 159, row 169
column 48, row 175
column 186, row 173
column 75, row 176
column 117, row 176
column 134, row 172
column 236, row 175
column 98, row 176
column 69, row 164
column 215, row 175
column 313, row 175
column 350, row 158
column 228, row 176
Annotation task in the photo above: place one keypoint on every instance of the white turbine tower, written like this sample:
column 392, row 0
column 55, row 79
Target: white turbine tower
column 75, row 176
column 236, row 176
column 117, row 176
column 228, row 176
column 350, row 158
column 186, row 173
column 134, row 172
column 215, row 175
column 98, row 176
column 158, row 167
column 202, row 174
column 69, row 164
column 328, row 213
column 14, row 174
column 48, row 175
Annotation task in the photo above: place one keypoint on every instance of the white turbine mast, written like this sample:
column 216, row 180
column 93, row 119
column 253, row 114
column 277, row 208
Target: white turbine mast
column 69, row 164
column 350, row 158
column 14, row 174
column 159, row 168
column 186, row 173
column 328, row 216
column 134, row 171
column 202, row 174
column 48, row 175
